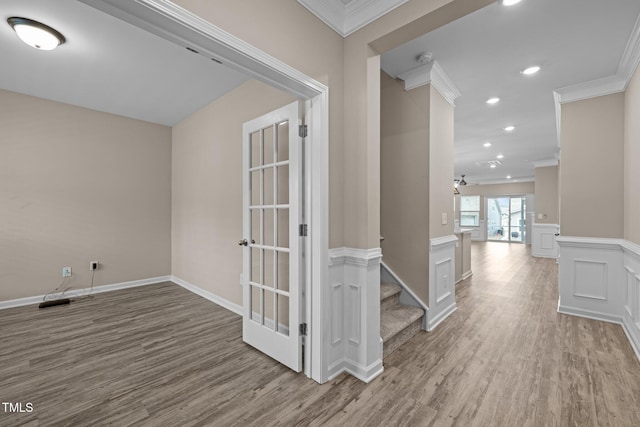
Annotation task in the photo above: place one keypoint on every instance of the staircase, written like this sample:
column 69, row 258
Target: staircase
column 398, row 322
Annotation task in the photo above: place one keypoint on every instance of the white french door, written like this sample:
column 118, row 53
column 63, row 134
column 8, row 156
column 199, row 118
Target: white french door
column 272, row 213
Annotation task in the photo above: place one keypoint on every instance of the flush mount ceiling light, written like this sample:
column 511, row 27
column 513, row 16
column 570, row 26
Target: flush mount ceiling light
column 530, row 70
column 509, row 2
column 36, row 34
column 486, row 144
column 493, row 100
column 508, row 176
column 493, row 166
column 500, row 156
column 509, row 128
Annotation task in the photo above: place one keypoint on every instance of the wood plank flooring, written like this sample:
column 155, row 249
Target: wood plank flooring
column 161, row 356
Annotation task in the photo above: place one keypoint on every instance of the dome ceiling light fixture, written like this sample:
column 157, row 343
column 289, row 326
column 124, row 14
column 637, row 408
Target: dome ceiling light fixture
column 509, row 2
column 36, row 34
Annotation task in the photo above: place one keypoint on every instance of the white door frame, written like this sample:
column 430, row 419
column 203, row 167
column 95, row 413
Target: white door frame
column 184, row 28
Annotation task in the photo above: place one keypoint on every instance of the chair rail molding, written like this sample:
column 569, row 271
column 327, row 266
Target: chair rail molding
column 600, row 279
column 352, row 307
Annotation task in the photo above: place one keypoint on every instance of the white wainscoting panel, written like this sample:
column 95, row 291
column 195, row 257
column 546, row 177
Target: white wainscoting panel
column 600, row 279
column 590, row 279
column 479, row 234
column 442, row 301
column 354, row 295
column 543, row 240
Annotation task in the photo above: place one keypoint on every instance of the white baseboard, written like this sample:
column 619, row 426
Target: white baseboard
column 588, row 314
column 81, row 292
column 363, row 373
column 600, row 279
column 352, row 314
column 231, row 306
column 433, row 323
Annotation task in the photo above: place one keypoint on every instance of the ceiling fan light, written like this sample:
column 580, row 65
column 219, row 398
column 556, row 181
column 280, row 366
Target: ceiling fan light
column 36, row 34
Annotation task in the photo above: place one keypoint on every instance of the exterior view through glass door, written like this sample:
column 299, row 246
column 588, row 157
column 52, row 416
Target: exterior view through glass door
column 506, row 218
column 272, row 212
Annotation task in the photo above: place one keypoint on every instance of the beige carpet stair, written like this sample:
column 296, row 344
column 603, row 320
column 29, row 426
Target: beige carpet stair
column 398, row 323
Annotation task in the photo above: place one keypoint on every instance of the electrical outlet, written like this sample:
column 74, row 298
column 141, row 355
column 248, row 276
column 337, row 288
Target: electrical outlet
column 66, row 271
column 93, row 265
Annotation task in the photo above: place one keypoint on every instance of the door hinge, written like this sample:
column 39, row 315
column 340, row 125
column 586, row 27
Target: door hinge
column 302, row 131
column 303, row 329
column 303, row 230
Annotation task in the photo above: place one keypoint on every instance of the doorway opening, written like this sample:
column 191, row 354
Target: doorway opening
column 506, row 219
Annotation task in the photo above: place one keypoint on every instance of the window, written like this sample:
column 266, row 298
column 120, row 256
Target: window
column 469, row 211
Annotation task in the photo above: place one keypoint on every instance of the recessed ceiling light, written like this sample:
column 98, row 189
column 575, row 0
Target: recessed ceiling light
column 486, row 144
column 36, row 34
column 531, row 70
column 493, row 166
column 509, row 2
column 493, row 100
column 500, row 156
column 508, row 176
column 509, row 128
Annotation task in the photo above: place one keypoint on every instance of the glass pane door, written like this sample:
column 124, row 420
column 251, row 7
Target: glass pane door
column 506, row 218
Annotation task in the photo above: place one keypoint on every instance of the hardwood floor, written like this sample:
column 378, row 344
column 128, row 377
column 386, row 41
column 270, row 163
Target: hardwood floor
column 161, row 356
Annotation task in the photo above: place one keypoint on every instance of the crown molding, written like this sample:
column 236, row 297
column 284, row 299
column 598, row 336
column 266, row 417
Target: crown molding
column 606, row 85
column 631, row 56
column 545, row 163
column 348, row 16
column 434, row 74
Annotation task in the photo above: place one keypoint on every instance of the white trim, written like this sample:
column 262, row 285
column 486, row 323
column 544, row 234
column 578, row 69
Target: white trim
column 434, row 74
column 348, row 16
column 352, row 318
column 77, row 293
column 416, row 299
column 541, row 233
column 545, row 163
column 169, row 21
column 438, row 242
column 358, row 257
column 592, row 89
column 606, row 85
column 619, row 301
column 442, row 277
column 631, row 56
column 231, row 306
column 436, row 320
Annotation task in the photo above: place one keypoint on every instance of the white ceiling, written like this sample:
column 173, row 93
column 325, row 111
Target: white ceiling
column 574, row 41
column 108, row 65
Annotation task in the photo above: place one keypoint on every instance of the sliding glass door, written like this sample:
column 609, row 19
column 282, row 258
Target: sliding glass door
column 506, row 218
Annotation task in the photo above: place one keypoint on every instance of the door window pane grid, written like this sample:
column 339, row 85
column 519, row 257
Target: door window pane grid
column 268, row 223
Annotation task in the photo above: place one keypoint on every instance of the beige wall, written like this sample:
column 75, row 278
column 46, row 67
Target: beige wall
column 440, row 165
column 632, row 160
column 509, row 189
column 77, row 185
column 207, row 189
column 592, row 172
column 546, row 192
column 404, row 173
column 289, row 32
column 299, row 39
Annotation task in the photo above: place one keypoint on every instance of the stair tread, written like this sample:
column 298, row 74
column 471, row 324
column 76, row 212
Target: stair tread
column 395, row 318
column 388, row 290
